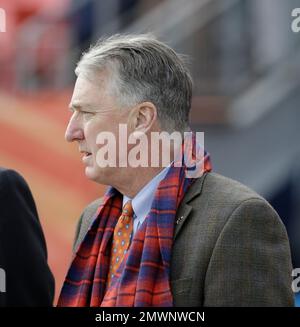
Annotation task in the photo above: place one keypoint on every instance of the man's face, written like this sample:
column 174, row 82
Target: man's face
column 94, row 110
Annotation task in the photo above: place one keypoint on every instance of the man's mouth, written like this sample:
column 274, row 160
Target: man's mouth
column 86, row 154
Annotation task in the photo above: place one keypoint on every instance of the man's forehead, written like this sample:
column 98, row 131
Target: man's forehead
column 84, row 86
column 92, row 80
column 83, row 95
column 87, row 90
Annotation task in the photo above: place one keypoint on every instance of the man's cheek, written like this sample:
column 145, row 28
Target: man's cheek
column 91, row 137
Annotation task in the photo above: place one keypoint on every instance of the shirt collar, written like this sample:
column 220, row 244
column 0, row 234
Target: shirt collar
column 142, row 202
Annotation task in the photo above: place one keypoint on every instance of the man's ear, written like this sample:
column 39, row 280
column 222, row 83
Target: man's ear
column 143, row 116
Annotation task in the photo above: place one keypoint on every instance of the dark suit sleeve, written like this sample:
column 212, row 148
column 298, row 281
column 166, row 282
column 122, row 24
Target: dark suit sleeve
column 23, row 254
column 250, row 264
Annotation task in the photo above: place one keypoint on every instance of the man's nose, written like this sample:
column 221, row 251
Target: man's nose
column 74, row 131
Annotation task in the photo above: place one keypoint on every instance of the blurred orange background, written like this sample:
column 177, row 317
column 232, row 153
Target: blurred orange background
column 32, row 142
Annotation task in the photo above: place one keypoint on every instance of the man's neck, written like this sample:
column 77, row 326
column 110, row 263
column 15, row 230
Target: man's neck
column 136, row 179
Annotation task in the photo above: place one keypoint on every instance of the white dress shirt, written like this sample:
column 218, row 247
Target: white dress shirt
column 142, row 202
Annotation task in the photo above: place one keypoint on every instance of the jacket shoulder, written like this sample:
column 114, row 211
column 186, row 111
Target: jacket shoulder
column 224, row 188
column 85, row 221
column 220, row 196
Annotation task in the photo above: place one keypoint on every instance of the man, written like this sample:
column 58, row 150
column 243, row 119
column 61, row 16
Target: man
column 182, row 241
column 25, row 278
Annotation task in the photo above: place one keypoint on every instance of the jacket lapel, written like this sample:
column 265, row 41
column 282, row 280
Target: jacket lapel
column 185, row 209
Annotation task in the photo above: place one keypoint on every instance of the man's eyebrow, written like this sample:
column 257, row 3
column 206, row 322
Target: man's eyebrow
column 78, row 106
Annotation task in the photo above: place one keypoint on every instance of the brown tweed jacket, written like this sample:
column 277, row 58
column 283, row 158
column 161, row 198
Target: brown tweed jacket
column 230, row 247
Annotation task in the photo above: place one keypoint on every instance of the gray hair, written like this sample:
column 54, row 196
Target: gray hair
column 144, row 69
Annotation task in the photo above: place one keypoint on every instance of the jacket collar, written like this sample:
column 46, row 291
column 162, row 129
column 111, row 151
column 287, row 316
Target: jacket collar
column 185, row 209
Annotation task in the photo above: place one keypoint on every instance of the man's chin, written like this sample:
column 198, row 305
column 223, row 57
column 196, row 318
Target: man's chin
column 95, row 175
column 91, row 174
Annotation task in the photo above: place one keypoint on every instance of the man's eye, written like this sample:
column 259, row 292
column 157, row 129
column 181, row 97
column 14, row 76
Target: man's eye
column 87, row 113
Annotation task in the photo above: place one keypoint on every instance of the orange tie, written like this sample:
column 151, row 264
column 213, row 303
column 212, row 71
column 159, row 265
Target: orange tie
column 121, row 239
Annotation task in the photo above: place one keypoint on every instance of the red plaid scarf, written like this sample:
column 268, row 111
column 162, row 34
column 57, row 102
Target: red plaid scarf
column 143, row 276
